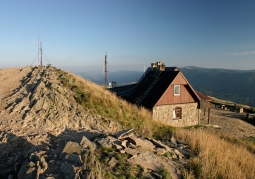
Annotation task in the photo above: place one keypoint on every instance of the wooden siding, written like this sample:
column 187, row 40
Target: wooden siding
column 184, row 97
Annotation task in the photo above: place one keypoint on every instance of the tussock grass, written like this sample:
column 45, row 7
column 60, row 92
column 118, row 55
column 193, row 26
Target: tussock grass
column 215, row 157
column 101, row 101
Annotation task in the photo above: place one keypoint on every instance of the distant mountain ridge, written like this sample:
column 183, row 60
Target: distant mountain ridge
column 227, row 84
column 121, row 77
column 234, row 85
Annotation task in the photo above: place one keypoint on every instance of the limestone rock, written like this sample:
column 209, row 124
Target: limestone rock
column 131, row 152
column 124, row 143
column 32, row 167
column 147, row 161
column 74, row 159
column 88, row 157
column 160, row 151
column 177, row 153
column 139, row 142
column 112, row 162
column 72, row 147
column 185, row 152
column 159, row 144
column 120, row 134
column 68, row 171
column 117, row 144
column 90, row 162
column 86, row 143
column 105, row 142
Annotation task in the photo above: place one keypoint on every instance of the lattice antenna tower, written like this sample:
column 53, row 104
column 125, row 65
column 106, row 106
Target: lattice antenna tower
column 38, row 41
column 40, row 52
column 105, row 70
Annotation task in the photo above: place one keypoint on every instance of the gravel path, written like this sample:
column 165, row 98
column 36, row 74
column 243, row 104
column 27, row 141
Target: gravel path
column 230, row 122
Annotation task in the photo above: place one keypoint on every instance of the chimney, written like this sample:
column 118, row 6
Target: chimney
column 159, row 66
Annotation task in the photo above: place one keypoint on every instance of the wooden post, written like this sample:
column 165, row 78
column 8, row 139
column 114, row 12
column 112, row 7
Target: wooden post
column 204, row 111
column 209, row 110
column 198, row 116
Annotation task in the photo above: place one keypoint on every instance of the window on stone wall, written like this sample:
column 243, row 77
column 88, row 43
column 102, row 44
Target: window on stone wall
column 177, row 113
column 177, row 90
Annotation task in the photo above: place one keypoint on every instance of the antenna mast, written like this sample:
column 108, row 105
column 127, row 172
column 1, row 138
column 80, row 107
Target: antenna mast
column 38, row 47
column 41, row 53
column 105, row 70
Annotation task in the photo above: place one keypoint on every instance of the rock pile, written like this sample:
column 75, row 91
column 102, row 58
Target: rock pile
column 77, row 160
column 41, row 103
column 148, row 153
column 70, row 160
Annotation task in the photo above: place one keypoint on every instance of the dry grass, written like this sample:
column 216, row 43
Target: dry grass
column 215, row 157
column 101, row 101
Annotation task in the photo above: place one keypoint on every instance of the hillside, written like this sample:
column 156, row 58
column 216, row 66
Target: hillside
column 56, row 125
column 234, row 85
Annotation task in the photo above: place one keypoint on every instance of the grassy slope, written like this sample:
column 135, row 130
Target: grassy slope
column 214, row 156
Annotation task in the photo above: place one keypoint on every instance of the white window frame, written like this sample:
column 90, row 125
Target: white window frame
column 177, row 86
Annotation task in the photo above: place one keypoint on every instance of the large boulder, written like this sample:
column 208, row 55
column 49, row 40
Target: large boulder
column 32, row 167
column 148, row 161
column 72, row 147
column 139, row 142
column 86, row 143
column 105, row 142
column 121, row 134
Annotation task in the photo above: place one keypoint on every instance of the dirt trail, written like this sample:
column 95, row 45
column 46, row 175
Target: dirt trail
column 230, row 122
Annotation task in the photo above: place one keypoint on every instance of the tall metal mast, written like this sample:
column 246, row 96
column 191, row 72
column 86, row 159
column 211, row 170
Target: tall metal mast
column 41, row 53
column 105, row 70
column 38, row 47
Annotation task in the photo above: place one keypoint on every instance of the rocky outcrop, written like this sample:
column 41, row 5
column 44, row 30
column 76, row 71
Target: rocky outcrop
column 76, row 159
column 74, row 162
column 37, row 110
column 33, row 167
column 41, row 103
column 148, row 153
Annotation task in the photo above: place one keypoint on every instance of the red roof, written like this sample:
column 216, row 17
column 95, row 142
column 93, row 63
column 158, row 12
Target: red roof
column 203, row 96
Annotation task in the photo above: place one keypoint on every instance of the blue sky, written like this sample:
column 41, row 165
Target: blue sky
column 76, row 34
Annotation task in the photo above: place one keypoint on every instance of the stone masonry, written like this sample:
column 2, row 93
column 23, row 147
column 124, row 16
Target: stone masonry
column 164, row 114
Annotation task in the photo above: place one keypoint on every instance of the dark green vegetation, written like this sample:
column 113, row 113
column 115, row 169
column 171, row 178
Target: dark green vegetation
column 115, row 165
column 234, row 85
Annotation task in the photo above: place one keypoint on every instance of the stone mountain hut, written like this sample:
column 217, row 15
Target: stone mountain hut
column 167, row 93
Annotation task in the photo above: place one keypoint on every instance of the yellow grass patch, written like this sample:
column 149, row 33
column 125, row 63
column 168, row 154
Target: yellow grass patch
column 216, row 157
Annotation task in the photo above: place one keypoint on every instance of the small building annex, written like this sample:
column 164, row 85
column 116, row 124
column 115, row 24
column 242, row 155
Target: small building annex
column 167, row 93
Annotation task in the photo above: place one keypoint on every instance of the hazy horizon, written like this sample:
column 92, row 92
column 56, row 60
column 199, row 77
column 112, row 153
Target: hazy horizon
column 97, row 69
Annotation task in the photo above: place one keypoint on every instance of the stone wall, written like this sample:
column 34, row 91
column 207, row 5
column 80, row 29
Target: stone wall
column 164, row 114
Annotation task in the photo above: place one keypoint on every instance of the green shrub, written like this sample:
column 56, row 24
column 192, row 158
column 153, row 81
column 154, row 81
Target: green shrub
column 165, row 174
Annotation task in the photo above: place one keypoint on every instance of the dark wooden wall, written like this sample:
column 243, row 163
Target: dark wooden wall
column 184, row 97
